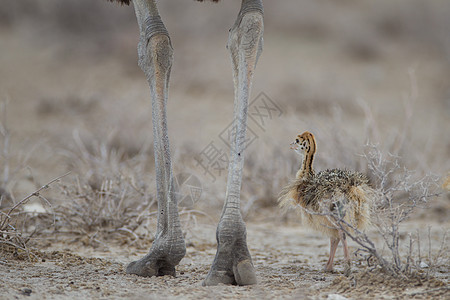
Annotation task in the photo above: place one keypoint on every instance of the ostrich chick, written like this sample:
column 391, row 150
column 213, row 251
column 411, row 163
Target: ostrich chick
column 329, row 201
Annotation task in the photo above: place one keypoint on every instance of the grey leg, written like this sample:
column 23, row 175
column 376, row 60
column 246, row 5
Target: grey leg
column 232, row 263
column 155, row 59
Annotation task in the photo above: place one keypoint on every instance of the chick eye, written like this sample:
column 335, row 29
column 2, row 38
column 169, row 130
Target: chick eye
column 297, row 141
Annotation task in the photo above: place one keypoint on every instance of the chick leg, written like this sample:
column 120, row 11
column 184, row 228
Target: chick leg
column 334, row 242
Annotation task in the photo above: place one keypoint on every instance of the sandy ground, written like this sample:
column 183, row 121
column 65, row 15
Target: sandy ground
column 322, row 72
column 287, row 257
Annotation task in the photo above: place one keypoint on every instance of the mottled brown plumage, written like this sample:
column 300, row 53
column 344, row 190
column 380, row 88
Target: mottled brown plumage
column 327, row 196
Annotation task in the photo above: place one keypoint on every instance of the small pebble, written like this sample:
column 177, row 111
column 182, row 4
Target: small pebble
column 26, row 292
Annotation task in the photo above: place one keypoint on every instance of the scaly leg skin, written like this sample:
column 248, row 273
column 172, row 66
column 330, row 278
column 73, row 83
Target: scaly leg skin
column 233, row 263
column 155, row 59
column 348, row 261
column 334, row 242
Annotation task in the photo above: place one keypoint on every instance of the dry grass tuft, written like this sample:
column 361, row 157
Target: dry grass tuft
column 110, row 196
column 13, row 236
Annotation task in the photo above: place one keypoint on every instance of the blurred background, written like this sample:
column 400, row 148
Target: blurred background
column 351, row 71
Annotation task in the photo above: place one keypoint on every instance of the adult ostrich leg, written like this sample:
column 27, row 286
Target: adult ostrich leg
column 155, row 59
column 232, row 263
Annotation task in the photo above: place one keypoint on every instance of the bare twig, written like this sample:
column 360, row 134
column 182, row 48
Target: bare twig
column 12, row 236
column 34, row 194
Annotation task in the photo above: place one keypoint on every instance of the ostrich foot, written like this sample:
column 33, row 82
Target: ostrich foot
column 347, row 269
column 161, row 260
column 328, row 269
column 232, row 265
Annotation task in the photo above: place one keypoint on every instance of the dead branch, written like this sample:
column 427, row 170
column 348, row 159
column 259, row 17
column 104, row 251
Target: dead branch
column 9, row 235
